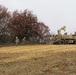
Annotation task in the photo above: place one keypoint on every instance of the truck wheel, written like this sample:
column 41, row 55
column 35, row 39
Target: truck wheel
column 66, row 42
column 61, row 42
column 75, row 42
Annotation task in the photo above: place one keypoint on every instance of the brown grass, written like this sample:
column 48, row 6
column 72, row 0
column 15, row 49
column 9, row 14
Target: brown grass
column 38, row 60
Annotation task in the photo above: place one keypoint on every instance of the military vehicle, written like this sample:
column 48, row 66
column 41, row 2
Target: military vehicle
column 63, row 38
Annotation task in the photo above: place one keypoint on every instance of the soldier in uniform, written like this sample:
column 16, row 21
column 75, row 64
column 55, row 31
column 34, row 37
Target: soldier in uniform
column 23, row 40
column 17, row 41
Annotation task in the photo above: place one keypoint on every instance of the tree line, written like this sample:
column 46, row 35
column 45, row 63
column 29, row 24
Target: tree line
column 21, row 24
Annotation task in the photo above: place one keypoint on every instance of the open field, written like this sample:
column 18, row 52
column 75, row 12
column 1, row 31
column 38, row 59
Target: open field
column 38, row 60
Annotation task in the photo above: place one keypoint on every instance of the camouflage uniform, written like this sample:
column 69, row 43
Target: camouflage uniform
column 23, row 40
column 17, row 41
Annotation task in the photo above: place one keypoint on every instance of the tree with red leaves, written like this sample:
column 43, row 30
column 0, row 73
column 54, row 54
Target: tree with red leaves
column 25, row 24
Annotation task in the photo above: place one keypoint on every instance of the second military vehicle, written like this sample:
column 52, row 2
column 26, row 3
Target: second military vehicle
column 63, row 38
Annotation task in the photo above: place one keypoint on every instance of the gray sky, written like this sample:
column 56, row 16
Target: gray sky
column 54, row 13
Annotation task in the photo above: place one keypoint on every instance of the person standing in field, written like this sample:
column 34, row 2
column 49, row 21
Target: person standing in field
column 17, row 41
column 23, row 40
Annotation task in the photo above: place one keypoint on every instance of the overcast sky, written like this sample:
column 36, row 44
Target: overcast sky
column 54, row 13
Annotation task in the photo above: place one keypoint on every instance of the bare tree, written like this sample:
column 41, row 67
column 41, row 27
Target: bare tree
column 4, row 18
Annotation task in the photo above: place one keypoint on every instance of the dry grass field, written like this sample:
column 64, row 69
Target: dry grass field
column 38, row 60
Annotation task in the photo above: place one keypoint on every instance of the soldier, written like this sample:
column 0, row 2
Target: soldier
column 23, row 40
column 17, row 41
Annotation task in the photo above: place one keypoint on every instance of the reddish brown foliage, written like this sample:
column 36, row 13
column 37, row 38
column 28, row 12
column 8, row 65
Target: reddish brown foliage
column 21, row 24
column 26, row 24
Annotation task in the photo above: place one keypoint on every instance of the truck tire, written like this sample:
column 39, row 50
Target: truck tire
column 61, row 42
column 74, row 41
column 66, row 42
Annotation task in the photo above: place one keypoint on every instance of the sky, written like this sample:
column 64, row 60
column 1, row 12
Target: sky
column 54, row 13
